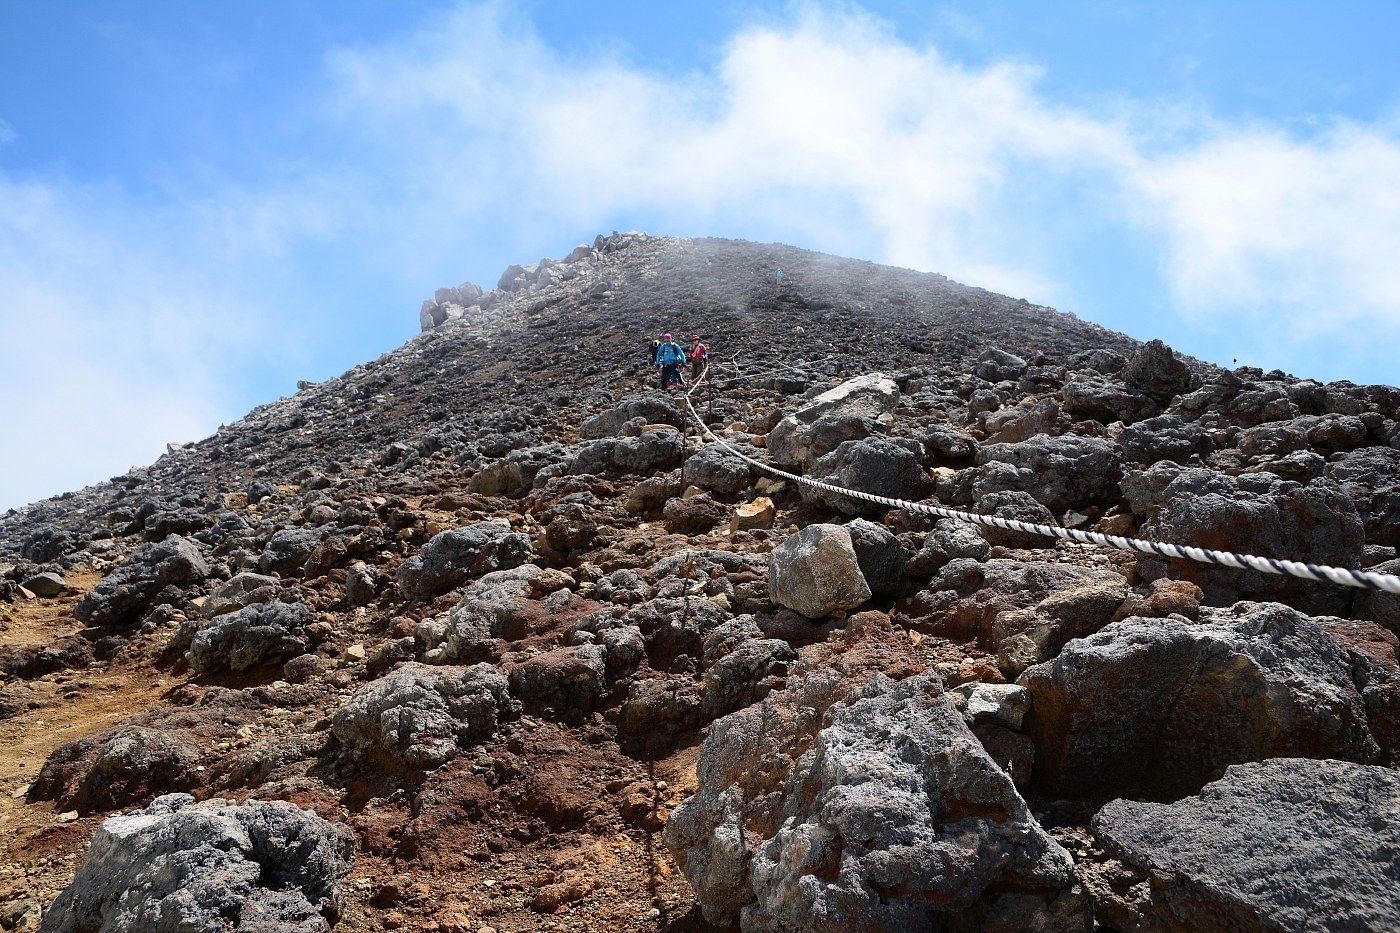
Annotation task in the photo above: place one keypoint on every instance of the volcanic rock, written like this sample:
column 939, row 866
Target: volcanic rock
column 179, row 865
column 131, row 588
column 1284, row 844
column 419, row 716
column 1162, row 707
column 816, row 572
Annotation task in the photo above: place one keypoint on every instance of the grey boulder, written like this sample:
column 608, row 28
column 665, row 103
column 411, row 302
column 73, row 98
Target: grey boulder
column 651, row 408
column 1285, row 844
column 816, row 572
column 717, row 470
column 892, row 818
column 882, row 466
column 177, row 866
column 419, row 716
column 453, row 556
column 1160, row 707
column 133, row 586
column 1066, row 472
column 255, row 635
column 242, row 589
column 1155, row 371
column 867, row 396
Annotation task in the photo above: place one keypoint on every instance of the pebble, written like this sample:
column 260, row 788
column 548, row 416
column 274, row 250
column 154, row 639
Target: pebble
column 68, row 816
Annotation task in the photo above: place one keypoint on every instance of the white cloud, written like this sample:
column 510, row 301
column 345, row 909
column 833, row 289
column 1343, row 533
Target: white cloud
column 1256, row 219
column 119, row 332
column 829, row 123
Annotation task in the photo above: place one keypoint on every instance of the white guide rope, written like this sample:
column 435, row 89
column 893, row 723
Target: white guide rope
column 1342, row 576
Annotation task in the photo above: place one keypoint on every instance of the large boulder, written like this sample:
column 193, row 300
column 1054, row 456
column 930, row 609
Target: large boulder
column 1106, row 400
column 242, row 589
column 1371, row 476
column 1026, row 419
column 255, row 635
column 744, row 675
column 131, row 588
column 213, row 866
column 949, row 540
column 1254, row 513
column 288, row 550
column 1061, row 473
column 674, row 629
column 816, row 572
column 45, row 543
column 968, row 598
column 564, row 683
column 1024, row 637
column 715, row 469
column 1378, row 605
column 1160, row 707
column 883, row 466
column 1285, row 844
column 1165, row 437
column 485, row 615
column 996, row 365
column 648, row 452
column 868, row 396
column 820, row 438
column 695, row 515
column 1155, row 371
column 651, row 408
column 451, row 557
column 879, row 554
column 117, row 767
column 875, row 810
column 417, row 717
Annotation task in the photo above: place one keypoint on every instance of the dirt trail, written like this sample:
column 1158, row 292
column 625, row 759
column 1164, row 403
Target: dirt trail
column 36, row 842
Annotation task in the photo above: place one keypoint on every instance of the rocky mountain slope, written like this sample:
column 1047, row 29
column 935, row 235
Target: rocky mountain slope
column 484, row 635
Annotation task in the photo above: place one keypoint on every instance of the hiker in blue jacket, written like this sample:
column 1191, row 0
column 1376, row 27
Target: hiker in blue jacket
column 669, row 357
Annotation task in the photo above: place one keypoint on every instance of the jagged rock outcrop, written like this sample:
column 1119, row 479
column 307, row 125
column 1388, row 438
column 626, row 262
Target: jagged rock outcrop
column 855, row 798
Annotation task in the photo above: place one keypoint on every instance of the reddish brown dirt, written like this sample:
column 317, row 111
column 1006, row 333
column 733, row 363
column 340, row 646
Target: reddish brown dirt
column 545, row 828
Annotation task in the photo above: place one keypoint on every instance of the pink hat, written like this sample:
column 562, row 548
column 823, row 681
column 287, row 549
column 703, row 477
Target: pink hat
column 665, row 336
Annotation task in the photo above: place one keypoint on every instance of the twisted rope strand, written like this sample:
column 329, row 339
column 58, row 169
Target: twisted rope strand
column 1342, row 576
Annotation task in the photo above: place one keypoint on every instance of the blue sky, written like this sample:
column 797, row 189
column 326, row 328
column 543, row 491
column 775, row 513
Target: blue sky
column 202, row 203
